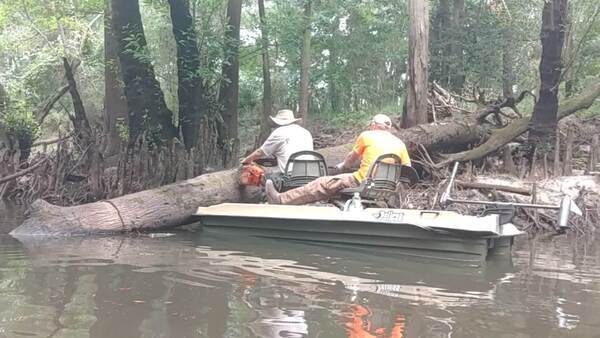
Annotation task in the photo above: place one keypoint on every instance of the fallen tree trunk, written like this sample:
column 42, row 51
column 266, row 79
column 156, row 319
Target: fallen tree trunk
column 163, row 207
column 501, row 137
column 173, row 205
column 438, row 136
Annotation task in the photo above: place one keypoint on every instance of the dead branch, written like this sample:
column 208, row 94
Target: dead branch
column 486, row 186
column 51, row 141
column 22, row 172
column 44, row 109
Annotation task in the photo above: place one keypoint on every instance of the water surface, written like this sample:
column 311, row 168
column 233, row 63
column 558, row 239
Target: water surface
column 209, row 285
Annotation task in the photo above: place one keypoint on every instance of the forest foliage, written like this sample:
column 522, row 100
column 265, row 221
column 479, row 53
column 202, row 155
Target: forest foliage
column 358, row 54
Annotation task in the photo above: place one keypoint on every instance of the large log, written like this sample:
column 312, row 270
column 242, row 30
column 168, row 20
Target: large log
column 444, row 136
column 163, row 207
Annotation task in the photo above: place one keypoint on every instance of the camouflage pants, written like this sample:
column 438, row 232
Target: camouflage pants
column 321, row 189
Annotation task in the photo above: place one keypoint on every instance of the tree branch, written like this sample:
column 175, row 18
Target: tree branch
column 501, row 137
column 44, row 109
column 22, row 172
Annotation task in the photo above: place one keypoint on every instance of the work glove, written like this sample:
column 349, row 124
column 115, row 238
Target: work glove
column 339, row 166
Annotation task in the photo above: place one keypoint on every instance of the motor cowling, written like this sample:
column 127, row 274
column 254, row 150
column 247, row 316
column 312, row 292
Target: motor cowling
column 251, row 175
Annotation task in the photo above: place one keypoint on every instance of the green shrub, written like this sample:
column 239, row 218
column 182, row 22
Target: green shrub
column 20, row 121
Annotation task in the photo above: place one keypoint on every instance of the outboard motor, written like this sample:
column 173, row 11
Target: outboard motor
column 567, row 206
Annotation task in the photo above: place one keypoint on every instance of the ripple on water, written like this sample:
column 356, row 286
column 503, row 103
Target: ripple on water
column 171, row 286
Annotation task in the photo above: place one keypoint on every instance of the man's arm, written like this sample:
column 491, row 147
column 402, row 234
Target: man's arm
column 258, row 153
column 272, row 143
column 354, row 155
column 350, row 160
column 404, row 158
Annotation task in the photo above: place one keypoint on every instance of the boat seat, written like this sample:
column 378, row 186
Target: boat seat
column 383, row 178
column 302, row 167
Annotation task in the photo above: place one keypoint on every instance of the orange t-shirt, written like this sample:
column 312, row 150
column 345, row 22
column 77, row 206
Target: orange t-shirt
column 373, row 143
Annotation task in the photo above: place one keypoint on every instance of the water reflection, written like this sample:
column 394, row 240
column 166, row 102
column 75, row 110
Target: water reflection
column 200, row 285
column 360, row 324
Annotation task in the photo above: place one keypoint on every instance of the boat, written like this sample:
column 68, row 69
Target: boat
column 436, row 234
column 363, row 223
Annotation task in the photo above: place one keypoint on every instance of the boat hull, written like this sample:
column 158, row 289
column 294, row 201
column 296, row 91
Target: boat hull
column 402, row 235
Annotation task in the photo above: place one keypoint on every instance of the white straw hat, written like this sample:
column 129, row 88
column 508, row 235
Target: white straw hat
column 284, row 117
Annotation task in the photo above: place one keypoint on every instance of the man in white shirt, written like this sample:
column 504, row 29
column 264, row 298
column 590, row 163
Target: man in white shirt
column 288, row 138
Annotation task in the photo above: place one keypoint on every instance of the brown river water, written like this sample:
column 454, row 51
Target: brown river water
column 199, row 284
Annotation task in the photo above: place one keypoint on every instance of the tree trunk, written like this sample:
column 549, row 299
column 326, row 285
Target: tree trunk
column 266, row 64
column 332, row 66
column 457, row 64
column 568, row 54
column 544, row 119
column 3, row 99
column 228, row 94
column 174, row 204
column 148, row 112
column 507, row 64
column 305, row 57
column 3, row 108
column 418, row 58
column 85, row 136
column 115, row 104
column 190, row 91
column 441, row 50
column 163, row 207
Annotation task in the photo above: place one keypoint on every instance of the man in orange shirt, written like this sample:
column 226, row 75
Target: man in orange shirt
column 370, row 144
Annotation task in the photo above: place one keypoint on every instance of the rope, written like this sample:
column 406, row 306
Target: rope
column 118, row 212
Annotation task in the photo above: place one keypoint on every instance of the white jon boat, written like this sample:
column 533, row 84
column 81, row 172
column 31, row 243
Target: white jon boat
column 425, row 233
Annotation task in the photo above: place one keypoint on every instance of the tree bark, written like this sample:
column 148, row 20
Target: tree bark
column 148, row 112
column 457, row 64
column 163, row 207
column 3, row 99
column 85, row 136
column 229, row 91
column 544, row 120
column 441, row 50
column 3, row 108
column 266, row 65
column 190, row 90
column 418, row 59
column 568, row 53
column 305, row 58
column 507, row 64
column 115, row 104
column 332, row 66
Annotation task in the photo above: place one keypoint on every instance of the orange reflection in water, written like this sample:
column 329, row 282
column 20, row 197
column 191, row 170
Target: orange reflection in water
column 359, row 325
